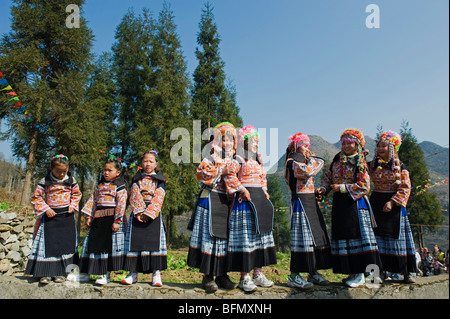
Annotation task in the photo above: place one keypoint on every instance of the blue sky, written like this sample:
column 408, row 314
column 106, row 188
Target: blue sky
column 314, row 66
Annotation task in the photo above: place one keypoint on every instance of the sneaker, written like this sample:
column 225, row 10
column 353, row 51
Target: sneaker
column 103, row 279
column 225, row 282
column 130, row 279
column 59, row 279
column 298, row 282
column 209, row 284
column 356, row 280
column 83, row 277
column 317, row 279
column 156, row 279
column 262, row 281
column 45, row 280
column 410, row 278
column 73, row 277
column 247, row 284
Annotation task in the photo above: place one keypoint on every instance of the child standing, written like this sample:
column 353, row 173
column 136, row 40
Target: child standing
column 353, row 243
column 54, row 201
column 145, row 242
column 392, row 188
column 310, row 245
column 251, row 245
column 103, row 247
column 209, row 221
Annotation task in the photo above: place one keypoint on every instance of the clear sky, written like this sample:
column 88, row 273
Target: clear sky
column 313, row 66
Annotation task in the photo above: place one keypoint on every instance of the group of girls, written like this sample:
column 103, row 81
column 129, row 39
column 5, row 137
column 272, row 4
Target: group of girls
column 111, row 243
column 232, row 221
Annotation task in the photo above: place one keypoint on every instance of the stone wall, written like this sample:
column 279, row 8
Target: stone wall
column 16, row 240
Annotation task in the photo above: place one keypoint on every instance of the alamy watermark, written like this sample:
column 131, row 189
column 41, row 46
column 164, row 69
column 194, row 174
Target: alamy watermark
column 73, row 19
column 373, row 19
column 187, row 151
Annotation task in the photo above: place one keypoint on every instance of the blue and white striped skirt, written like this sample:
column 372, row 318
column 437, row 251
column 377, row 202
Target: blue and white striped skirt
column 399, row 255
column 101, row 263
column 40, row 266
column 352, row 256
column 206, row 252
column 305, row 256
column 248, row 249
column 145, row 261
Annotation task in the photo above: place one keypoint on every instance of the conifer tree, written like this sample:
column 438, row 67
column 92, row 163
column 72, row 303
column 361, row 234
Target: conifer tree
column 131, row 69
column 422, row 208
column 47, row 62
column 281, row 231
column 167, row 101
column 212, row 100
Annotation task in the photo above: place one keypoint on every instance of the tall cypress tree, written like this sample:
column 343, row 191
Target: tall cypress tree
column 167, row 100
column 212, row 100
column 47, row 62
column 422, row 208
column 281, row 232
column 131, row 69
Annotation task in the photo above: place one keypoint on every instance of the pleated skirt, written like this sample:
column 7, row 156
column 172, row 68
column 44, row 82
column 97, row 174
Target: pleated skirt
column 248, row 249
column 353, row 256
column 399, row 255
column 39, row 265
column 305, row 255
column 206, row 252
column 101, row 263
column 145, row 261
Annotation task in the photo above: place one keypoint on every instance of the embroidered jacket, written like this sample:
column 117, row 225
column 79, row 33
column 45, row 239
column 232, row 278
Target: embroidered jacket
column 345, row 175
column 108, row 195
column 384, row 181
column 252, row 173
column 147, row 189
column 209, row 173
column 54, row 194
column 303, row 173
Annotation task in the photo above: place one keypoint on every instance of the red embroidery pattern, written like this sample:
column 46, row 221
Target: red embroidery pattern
column 304, row 174
column 384, row 181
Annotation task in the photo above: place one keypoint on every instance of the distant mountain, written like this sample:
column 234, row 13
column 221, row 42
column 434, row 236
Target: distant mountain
column 436, row 157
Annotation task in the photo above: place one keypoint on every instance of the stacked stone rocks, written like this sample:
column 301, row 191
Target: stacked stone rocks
column 16, row 240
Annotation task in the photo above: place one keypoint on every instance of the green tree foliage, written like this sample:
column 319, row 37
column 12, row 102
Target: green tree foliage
column 213, row 101
column 166, row 102
column 281, row 223
column 132, row 68
column 422, row 208
column 48, row 64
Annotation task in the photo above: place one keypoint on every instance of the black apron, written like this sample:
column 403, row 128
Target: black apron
column 60, row 234
column 344, row 217
column 146, row 236
column 388, row 224
column 219, row 208
column 100, row 235
column 315, row 219
column 262, row 208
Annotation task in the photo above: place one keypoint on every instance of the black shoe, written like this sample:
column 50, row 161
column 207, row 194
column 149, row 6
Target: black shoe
column 209, row 284
column 225, row 282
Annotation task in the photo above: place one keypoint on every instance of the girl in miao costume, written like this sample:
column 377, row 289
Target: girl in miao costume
column 310, row 245
column 353, row 243
column 392, row 188
column 145, row 241
column 54, row 201
column 209, row 221
column 251, row 245
column 103, row 247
